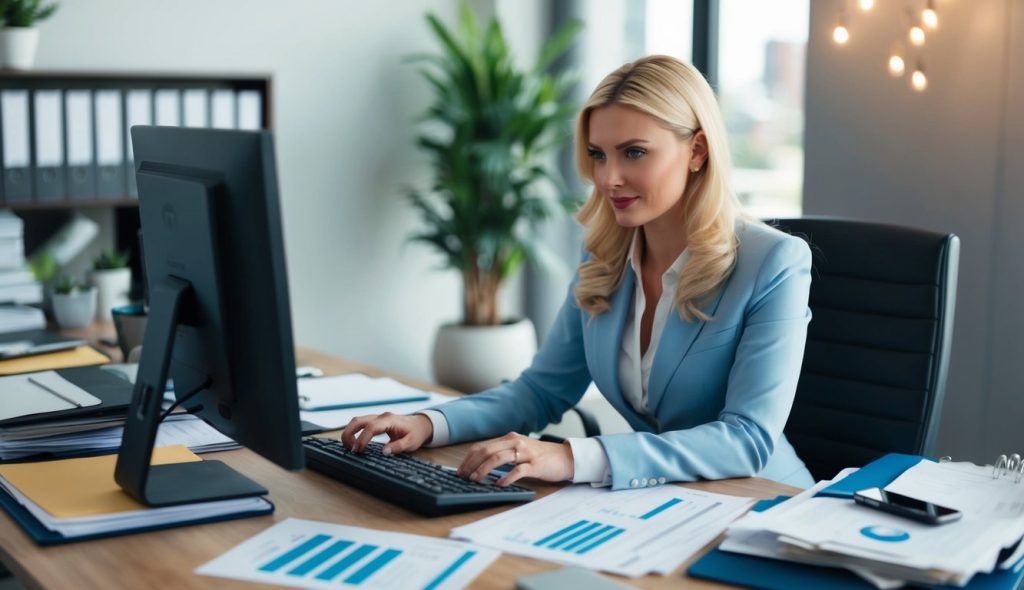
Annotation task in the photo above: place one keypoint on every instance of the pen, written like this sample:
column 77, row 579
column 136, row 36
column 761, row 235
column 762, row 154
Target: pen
column 56, row 393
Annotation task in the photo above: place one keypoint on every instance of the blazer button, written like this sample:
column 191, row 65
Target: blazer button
column 661, row 480
column 633, row 483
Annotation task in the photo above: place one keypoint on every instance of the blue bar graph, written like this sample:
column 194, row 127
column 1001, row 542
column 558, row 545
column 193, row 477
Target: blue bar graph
column 574, row 535
column 371, row 568
column 611, row 535
column 661, row 508
column 587, row 538
column 346, row 562
column 450, row 570
column 559, row 533
column 294, row 554
column 320, row 558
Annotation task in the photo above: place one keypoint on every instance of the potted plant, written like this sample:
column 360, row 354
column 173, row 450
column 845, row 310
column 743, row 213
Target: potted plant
column 113, row 281
column 19, row 37
column 74, row 304
column 492, row 133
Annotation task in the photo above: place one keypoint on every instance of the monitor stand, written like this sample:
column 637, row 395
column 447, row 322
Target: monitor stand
column 179, row 483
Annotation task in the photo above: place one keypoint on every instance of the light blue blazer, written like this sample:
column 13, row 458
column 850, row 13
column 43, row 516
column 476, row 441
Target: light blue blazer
column 719, row 392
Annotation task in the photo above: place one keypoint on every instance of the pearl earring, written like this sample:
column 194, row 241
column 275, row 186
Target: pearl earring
column 695, row 169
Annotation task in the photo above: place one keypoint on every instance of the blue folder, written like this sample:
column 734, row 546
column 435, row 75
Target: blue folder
column 44, row 536
column 772, row 574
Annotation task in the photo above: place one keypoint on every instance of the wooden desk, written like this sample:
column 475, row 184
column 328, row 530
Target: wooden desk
column 166, row 559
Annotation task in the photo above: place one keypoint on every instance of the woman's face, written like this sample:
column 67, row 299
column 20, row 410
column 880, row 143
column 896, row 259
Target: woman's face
column 639, row 166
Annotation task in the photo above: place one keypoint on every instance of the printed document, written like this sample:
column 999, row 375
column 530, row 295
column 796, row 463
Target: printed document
column 627, row 532
column 311, row 554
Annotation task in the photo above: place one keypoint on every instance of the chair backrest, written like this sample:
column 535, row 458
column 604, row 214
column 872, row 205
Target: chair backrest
column 874, row 371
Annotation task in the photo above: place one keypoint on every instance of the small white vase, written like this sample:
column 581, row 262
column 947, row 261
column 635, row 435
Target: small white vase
column 475, row 358
column 113, row 286
column 75, row 309
column 19, row 46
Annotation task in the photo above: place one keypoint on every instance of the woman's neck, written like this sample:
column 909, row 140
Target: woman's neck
column 662, row 243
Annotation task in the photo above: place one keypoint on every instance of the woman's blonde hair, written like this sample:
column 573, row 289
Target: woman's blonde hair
column 679, row 98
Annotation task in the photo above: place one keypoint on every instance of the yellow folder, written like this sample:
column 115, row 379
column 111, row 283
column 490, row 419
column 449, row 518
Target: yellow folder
column 84, row 486
column 83, row 356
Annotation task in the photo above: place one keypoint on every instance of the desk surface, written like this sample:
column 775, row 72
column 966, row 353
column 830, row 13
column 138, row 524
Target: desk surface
column 166, row 559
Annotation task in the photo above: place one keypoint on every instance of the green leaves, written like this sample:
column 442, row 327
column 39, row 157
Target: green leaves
column 25, row 13
column 494, row 130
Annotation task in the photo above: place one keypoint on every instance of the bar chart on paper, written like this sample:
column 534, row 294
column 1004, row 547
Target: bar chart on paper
column 309, row 554
column 629, row 532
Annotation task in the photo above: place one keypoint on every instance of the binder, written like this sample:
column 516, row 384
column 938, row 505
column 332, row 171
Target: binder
column 110, row 181
column 250, row 110
column 49, row 145
column 81, row 169
column 83, row 356
column 1009, row 466
column 138, row 111
column 99, row 497
column 17, row 157
column 168, row 107
column 32, row 342
column 222, row 109
column 195, row 103
column 115, row 395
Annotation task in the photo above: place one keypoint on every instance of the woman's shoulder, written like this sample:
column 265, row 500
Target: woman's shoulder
column 759, row 242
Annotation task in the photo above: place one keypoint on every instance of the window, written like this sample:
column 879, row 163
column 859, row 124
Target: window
column 761, row 61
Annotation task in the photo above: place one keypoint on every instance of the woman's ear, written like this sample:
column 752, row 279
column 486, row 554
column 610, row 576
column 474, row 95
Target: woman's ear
column 698, row 150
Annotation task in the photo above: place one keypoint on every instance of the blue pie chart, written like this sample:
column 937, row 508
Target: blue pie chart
column 885, row 533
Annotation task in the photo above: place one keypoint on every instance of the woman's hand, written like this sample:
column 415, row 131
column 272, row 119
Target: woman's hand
column 532, row 458
column 407, row 433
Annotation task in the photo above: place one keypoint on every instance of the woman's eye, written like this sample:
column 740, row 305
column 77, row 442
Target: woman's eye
column 635, row 153
column 596, row 154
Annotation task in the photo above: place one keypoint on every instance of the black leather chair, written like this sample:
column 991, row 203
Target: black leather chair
column 874, row 371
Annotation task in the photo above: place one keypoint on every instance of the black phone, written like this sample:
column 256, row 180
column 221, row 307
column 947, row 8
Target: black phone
column 906, row 506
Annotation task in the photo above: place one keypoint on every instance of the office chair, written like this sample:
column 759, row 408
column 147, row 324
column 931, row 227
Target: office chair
column 877, row 355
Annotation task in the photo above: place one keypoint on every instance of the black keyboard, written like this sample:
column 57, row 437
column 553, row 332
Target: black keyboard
column 427, row 488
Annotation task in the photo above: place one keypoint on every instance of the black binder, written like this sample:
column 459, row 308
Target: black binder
column 114, row 392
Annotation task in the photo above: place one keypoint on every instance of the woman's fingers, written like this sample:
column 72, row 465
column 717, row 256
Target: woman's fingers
column 499, row 458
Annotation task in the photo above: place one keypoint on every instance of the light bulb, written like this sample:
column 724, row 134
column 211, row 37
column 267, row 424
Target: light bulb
column 918, row 80
column 916, row 35
column 896, row 65
column 929, row 17
column 866, row 5
column 840, row 35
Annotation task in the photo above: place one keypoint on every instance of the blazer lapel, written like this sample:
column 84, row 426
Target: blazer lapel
column 675, row 343
column 606, row 337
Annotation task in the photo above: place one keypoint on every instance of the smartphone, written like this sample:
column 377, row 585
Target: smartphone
column 906, row 506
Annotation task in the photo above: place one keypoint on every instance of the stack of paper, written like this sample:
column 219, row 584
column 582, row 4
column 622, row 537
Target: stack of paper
column 177, row 429
column 78, row 498
column 628, row 532
column 17, row 284
column 354, row 390
column 889, row 550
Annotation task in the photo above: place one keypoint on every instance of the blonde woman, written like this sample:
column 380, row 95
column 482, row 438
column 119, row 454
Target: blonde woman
column 688, row 316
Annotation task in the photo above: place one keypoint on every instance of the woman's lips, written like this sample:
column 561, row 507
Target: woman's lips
column 623, row 202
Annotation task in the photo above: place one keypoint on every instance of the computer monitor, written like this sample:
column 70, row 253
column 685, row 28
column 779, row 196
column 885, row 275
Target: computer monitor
column 219, row 315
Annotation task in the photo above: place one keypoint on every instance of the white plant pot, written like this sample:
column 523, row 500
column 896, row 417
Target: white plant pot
column 75, row 309
column 19, row 46
column 113, row 286
column 475, row 358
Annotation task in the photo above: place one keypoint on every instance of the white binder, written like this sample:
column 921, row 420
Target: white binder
column 109, row 145
column 138, row 111
column 168, row 107
column 81, row 178
column 17, row 158
column 250, row 110
column 195, row 107
column 223, row 109
column 49, row 146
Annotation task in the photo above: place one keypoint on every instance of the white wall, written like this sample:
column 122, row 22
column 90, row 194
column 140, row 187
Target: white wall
column 950, row 159
column 345, row 105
